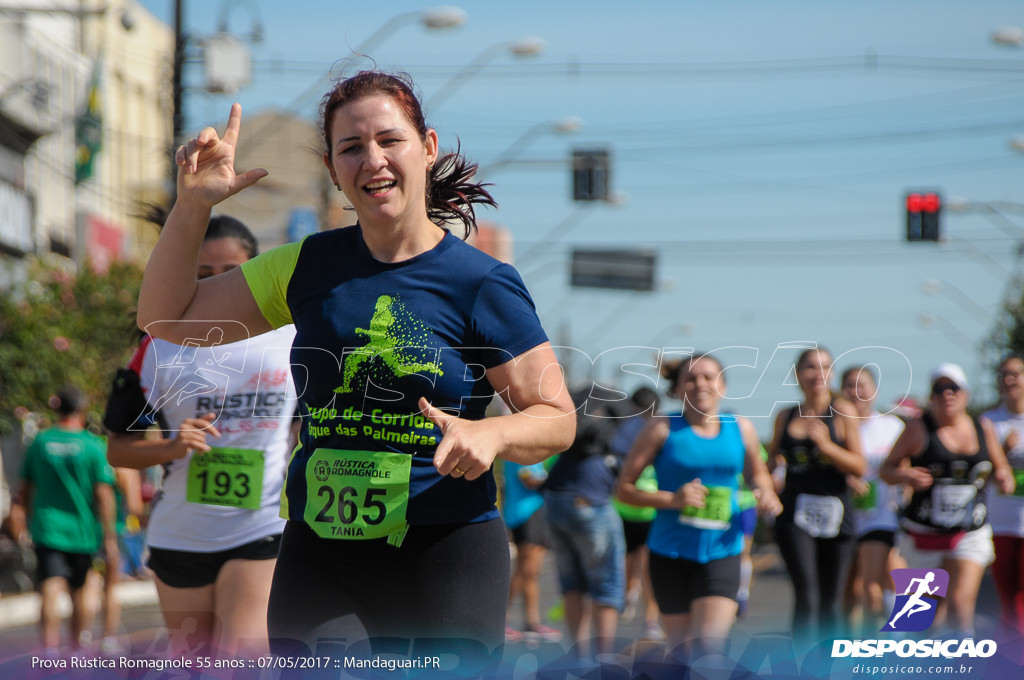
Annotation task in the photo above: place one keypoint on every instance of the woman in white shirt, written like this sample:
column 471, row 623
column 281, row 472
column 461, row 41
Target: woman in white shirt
column 1006, row 513
column 869, row 587
column 226, row 413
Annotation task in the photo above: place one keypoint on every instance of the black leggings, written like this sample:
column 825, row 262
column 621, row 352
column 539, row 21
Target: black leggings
column 818, row 568
column 446, row 581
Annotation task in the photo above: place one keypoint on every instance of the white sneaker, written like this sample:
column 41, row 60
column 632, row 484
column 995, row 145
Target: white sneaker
column 111, row 647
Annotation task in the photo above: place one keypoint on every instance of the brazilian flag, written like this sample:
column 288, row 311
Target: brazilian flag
column 89, row 130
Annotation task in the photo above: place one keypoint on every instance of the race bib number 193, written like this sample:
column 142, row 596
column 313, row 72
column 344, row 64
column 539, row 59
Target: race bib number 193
column 356, row 494
column 228, row 477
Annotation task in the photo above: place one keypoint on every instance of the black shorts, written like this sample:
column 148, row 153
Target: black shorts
column 184, row 569
column 533, row 531
column 880, row 535
column 636, row 534
column 678, row 582
column 72, row 567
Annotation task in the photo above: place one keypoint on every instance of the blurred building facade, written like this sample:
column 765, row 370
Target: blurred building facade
column 54, row 55
column 494, row 239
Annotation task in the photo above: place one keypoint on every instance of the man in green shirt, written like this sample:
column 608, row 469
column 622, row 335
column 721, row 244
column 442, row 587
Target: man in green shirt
column 67, row 489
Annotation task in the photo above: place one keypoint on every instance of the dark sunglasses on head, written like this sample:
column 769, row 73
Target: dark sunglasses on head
column 940, row 389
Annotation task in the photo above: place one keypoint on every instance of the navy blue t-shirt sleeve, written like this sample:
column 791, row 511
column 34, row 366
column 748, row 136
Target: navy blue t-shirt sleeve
column 504, row 317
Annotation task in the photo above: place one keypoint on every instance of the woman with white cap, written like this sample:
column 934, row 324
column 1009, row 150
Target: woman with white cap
column 946, row 457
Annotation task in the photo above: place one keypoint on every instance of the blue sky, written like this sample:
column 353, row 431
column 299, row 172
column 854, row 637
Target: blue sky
column 762, row 149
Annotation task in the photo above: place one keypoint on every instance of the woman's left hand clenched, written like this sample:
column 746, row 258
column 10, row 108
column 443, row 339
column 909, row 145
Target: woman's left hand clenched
column 468, row 447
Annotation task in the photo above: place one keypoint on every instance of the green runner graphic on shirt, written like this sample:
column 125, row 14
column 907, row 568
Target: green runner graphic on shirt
column 357, row 494
column 228, row 477
column 394, row 334
column 716, row 513
column 869, row 500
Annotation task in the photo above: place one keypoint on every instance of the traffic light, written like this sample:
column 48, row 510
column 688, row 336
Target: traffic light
column 591, row 174
column 923, row 211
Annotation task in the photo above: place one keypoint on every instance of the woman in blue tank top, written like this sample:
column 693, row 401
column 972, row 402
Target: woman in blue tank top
column 696, row 538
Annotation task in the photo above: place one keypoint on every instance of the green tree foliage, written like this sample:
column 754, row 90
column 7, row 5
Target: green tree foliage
column 64, row 327
column 1009, row 337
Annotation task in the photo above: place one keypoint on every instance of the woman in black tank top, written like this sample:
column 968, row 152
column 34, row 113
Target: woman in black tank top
column 818, row 442
column 946, row 457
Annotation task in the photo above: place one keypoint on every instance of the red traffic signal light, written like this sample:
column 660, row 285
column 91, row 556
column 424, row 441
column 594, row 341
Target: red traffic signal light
column 923, row 210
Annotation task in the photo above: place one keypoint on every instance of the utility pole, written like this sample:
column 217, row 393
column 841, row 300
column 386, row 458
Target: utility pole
column 177, row 88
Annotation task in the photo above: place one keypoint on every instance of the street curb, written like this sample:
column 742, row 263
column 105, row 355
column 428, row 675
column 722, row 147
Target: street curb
column 23, row 610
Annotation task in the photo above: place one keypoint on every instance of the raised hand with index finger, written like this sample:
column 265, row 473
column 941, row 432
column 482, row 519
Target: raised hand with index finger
column 206, row 164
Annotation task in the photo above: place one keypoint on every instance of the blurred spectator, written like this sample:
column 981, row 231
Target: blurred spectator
column 67, row 490
column 586, row 530
column 523, row 512
column 636, row 521
column 129, row 507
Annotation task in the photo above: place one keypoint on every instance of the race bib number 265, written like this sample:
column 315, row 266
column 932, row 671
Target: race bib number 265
column 356, row 494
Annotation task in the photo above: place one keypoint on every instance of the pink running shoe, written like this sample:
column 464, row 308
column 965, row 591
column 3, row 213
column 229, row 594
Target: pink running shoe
column 545, row 633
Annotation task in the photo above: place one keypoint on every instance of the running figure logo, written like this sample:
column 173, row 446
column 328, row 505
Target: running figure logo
column 393, row 339
column 915, row 609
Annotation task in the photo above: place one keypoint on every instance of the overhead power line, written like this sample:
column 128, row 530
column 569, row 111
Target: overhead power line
column 633, row 69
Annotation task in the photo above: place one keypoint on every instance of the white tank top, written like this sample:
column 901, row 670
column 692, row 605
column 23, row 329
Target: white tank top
column 1006, row 513
column 213, row 503
column 877, row 435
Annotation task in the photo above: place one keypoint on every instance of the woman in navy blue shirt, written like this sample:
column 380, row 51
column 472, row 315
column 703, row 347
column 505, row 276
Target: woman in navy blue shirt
column 403, row 335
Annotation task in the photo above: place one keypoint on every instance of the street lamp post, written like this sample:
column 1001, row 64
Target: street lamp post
column 568, row 223
column 962, row 299
column 953, row 332
column 446, row 16
column 994, row 210
column 562, row 126
column 1009, row 36
column 523, row 47
column 950, row 330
